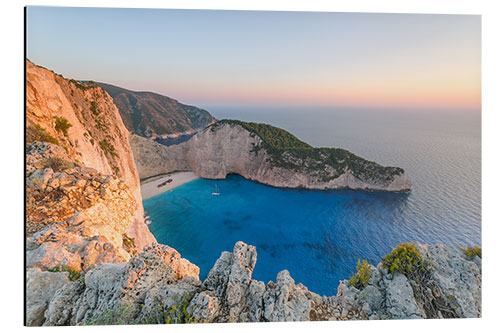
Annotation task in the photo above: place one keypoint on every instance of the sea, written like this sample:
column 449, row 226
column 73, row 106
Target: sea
column 318, row 236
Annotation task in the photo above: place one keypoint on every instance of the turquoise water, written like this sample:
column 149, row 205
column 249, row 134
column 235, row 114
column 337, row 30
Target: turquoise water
column 319, row 236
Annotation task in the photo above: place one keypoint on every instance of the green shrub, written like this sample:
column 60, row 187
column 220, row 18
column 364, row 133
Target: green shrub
column 124, row 315
column 116, row 170
column 62, row 125
column 405, row 258
column 38, row 133
column 273, row 137
column 74, row 275
column 360, row 279
column 93, row 107
column 57, row 164
column 107, row 147
column 129, row 244
column 78, row 84
column 176, row 314
column 471, row 251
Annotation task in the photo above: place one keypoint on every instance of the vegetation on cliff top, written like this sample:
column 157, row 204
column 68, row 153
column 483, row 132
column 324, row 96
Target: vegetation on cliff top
column 405, row 258
column 287, row 151
column 62, row 125
column 471, row 251
column 360, row 279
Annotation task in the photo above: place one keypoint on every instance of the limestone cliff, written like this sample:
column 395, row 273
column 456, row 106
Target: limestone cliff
column 158, row 286
column 152, row 158
column 267, row 155
column 82, row 120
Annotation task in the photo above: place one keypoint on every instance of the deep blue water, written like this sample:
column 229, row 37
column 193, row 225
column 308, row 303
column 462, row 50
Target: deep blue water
column 319, row 236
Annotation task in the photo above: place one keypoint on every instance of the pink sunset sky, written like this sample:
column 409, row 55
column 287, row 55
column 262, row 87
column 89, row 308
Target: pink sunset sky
column 267, row 58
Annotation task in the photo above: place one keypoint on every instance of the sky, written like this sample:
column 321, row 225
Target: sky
column 254, row 58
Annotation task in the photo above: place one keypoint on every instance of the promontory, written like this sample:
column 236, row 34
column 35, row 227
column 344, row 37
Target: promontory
column 268, row 155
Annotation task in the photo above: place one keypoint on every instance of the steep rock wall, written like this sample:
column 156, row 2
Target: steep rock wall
column 152, row 159
column 97, row 137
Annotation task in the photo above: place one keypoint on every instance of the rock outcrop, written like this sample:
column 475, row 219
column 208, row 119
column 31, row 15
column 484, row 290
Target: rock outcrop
column 232, row 147
column 158, row 286
column 122, row 287
column 77, row 218
column 452, row 289
column 84, row 127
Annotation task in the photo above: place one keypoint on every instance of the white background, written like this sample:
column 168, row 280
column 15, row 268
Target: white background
column 11, row 176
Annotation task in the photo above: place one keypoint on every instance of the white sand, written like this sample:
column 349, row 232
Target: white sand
column 149, row 188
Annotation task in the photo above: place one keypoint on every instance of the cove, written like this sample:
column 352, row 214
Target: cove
column 317, row 236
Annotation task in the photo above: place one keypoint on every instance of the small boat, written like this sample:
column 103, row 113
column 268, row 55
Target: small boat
column 216, row 190
column 148, row 222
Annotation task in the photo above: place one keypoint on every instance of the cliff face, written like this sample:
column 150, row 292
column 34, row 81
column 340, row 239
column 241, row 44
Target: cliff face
column 157, row 286
column 154, row 115
column 152, row 158
column 82, row 120
column 228, row 147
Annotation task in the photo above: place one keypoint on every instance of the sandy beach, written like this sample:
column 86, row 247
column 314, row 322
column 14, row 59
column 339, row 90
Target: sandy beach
column 149, row 187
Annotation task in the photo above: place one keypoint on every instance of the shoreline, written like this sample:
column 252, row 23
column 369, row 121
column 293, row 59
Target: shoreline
column 149, row 187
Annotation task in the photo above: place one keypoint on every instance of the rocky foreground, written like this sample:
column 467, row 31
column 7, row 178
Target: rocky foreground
column 158, row 286
column 232, row 147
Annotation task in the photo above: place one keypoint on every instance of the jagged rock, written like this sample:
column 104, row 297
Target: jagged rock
column 40, row 289
column 154, row 281
column 285, row 301
column 243, row 262
column 229, row 294
column 230, row 278
column 155, row 275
